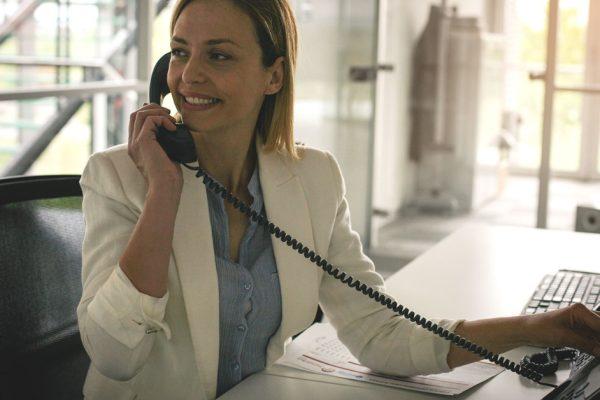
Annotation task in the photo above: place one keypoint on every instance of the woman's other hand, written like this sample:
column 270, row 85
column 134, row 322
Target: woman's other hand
column 574, row 326
column 145, row 151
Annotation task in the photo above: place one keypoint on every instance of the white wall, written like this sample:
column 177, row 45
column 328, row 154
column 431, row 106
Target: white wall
column 401, row 23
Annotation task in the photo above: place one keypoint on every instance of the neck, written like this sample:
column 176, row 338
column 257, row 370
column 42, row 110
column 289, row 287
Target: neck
column 231, row 163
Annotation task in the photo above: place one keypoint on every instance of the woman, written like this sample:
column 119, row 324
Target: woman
column 183, row 296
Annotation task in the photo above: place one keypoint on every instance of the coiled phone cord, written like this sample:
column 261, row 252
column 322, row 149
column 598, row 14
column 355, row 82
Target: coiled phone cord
column 363, row 288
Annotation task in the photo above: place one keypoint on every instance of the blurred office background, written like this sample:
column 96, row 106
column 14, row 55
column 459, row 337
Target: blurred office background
column 441, row 113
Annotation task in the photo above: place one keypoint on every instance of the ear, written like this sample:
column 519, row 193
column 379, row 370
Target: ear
column 275, row 73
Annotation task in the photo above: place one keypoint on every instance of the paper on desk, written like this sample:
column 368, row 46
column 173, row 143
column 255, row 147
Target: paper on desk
column 319, row 350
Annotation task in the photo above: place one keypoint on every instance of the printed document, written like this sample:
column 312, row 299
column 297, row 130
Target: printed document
column 319, row 350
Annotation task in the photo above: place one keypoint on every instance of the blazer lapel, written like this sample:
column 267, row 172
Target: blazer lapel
column 286, row 207
column 194, row 256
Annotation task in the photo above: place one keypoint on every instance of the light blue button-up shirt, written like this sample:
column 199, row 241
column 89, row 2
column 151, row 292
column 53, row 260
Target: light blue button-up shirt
column 249, row 292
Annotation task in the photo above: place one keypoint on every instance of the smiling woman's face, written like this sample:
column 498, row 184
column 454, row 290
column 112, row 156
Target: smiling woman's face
column 216, row 56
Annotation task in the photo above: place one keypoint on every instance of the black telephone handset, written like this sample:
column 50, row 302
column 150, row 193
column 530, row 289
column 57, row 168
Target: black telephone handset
column 179, row 146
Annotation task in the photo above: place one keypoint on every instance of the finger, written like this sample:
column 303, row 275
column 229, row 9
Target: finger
column 155, row 110
column 145, row 107
column 132, row 118
column 152, row 123
column 589, row 318
column 154, row 106
column 583, row 343
column 143, row 115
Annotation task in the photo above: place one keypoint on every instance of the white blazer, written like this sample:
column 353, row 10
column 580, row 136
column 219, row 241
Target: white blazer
column 142, row 347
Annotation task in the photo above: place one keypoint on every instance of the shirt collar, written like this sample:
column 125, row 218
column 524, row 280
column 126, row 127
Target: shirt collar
column 254, row 189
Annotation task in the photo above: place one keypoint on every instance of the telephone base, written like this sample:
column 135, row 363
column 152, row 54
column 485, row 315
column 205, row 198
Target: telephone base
column 583, row 382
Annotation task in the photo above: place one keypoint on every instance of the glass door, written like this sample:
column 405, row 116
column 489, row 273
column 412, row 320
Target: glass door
column 335, row 92
column 574, row 117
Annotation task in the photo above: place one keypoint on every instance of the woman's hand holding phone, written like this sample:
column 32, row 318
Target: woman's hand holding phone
column 145, row 260
column 158, row 169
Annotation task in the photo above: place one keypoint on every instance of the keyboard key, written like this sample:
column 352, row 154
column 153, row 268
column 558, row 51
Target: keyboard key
column 564, row 304
column 530, row 310
column 584, row 282
column 534, row 303
column 539, row 294
column 563, row 286
column 548, row 279
column 592, row 299
column 568, row 297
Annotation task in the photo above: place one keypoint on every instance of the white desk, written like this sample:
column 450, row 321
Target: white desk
column 477, row 272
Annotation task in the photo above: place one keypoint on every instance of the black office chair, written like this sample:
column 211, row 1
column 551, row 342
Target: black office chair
column 41, row 232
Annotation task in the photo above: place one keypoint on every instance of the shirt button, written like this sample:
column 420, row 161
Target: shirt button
column 247, row 286
column 241, row 328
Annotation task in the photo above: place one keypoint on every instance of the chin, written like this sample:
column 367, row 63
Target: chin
column 199, row 126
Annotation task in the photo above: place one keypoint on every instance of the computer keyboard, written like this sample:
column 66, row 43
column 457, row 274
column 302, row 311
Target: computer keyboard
column 564, row 288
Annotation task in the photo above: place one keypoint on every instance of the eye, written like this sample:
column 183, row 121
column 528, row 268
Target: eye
column 177, row 53
column 219, row 56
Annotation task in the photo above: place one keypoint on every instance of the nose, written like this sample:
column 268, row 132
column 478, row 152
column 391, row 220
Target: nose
column 193, row 72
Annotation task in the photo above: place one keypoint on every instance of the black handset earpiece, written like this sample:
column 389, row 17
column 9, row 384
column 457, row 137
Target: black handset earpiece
column 178, row 144
column 180, row 147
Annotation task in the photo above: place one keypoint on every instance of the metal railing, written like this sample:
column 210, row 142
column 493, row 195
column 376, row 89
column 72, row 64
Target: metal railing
column 84, row 89
column 26, row 9
column 76, row 94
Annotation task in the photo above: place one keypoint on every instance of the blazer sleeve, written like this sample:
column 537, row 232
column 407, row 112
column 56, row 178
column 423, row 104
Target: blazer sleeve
column 117, row 323
column 378, row 338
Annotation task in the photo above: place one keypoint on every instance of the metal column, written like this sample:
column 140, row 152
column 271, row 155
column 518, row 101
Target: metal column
column 550, row 78
column 145, row 13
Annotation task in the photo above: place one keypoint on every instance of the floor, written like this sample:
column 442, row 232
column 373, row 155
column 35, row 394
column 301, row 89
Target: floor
column 412, row 233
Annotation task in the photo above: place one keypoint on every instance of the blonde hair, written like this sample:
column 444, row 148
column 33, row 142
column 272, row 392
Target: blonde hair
column 275, row 27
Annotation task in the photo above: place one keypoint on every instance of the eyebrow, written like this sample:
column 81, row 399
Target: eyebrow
column 208, row 42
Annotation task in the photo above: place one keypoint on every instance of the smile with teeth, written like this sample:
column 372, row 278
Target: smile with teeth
column 196, row 100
